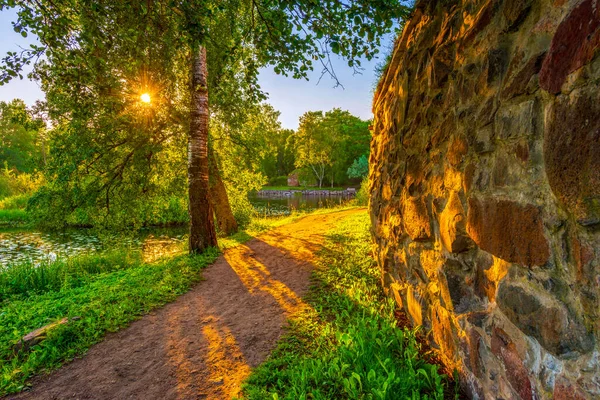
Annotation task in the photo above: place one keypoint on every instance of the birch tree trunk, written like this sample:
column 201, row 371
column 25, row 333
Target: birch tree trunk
column 202, row 229
column 218, row 197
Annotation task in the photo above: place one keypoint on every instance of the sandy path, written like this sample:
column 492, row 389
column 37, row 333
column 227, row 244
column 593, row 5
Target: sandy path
column 203, row 345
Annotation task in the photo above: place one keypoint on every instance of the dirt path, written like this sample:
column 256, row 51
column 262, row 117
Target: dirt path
column 203, row 345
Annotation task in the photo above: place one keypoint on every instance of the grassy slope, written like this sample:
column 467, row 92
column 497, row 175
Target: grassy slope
column 346, row 345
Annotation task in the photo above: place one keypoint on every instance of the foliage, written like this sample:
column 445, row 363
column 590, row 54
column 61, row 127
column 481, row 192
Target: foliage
column 106, row 291
column 14, row 183
column 313, row 149
column 327, row 143
column 349, row 137
column 18, row 202
column 359, row 168
column 362, row 196
column 346, row 344
column 279, row 181
column 22, row 137
column 238, row 163
column 306, row 177
column 14, row 217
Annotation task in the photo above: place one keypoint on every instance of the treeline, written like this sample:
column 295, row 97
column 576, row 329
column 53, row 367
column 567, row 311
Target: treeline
column 325, row 149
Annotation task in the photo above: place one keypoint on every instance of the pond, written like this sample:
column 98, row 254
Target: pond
column 272, row 204
column 22, row 245
column 18, row 245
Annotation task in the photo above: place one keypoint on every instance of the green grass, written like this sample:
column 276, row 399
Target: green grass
column 12, row 211
column 347, row 344
column 14, row 217
column 27, row 278
column 301, row 188
column 106, row 291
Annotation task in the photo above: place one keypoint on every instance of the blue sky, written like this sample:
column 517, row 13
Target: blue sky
column 291, row 97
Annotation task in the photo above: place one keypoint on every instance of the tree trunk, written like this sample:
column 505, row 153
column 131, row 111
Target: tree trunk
column 202, row 228
column 219, row 199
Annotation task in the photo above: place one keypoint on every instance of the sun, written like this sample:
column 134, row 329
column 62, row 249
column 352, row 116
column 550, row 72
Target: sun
column 145, row 98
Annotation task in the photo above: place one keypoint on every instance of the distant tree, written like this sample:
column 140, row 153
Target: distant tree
column 348, row 137
column 313, row 147
column 359, row 168
column 21, row 137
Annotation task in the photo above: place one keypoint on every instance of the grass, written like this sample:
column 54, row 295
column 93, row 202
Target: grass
column 14, row 217
column 106, row 291
column 12, row 211
column 260, row 224
column 301, row 188
column 28, row 278
column 347, row 345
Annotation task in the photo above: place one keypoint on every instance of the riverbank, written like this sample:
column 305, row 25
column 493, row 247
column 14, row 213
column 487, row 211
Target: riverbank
column 14, row 217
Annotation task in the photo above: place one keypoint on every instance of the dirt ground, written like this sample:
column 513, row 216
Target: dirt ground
column 203, row 345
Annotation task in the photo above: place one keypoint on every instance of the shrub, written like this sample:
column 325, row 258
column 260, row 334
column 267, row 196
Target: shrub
column 18, row 202
column 362, row 196
column 278, row 181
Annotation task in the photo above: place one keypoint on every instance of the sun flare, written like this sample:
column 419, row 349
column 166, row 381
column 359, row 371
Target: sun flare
column 145, row 98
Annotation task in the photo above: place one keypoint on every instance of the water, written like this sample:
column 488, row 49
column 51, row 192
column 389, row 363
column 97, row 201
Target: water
column 22, row 245
column 271, row 205
column 18, row 245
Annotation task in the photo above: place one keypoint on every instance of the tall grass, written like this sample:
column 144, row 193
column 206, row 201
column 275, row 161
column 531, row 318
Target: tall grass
column 14, row 217
column 347, row 344
column 30, row 278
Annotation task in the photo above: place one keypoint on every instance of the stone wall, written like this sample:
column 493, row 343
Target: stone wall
column 485, row 191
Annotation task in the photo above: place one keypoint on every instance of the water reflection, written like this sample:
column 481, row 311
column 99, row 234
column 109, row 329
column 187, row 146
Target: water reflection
column 284, row 204
column 18, row 245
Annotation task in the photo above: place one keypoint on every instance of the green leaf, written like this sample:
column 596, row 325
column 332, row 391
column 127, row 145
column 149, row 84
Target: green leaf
column 335, row 47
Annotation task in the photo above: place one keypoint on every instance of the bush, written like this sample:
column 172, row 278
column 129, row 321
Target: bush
column 278, row 181
column 18, row 202
column 362, row 196
column 306, row 177
column 14, row 183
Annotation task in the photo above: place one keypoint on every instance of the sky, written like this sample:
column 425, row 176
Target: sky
column 290, row 97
